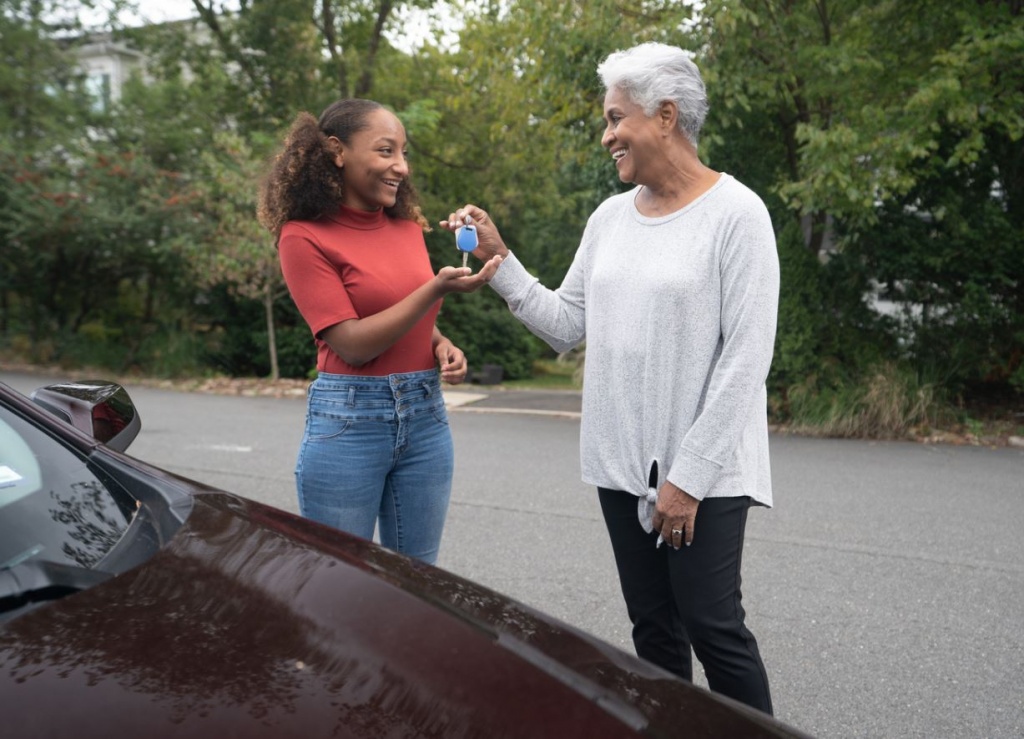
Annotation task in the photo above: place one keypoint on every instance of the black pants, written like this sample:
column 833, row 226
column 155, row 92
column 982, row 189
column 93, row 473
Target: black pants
column 690, row 596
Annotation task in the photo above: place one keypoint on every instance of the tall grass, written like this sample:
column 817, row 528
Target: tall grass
column 888, row 402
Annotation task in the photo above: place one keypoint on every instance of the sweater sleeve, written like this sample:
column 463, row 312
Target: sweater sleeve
column 556, row 316
column 734, row 391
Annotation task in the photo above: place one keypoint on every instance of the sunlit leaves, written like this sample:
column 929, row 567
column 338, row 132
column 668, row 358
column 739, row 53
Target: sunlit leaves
column 863, row 90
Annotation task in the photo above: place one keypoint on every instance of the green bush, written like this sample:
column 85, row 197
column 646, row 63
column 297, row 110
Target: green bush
column 801, row 326
column 483, row 327
column 888, row 401
column 296, row 351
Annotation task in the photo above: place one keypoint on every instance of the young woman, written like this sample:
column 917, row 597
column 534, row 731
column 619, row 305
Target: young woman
column 377, row 449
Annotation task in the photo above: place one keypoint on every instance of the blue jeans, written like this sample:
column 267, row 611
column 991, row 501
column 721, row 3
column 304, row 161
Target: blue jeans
column 378, row 451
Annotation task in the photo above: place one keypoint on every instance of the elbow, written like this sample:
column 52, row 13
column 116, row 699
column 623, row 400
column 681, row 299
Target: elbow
column 351, row 359
column 342, row 342
column 562, row 346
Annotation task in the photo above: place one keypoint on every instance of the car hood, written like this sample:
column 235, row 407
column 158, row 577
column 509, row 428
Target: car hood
column 252, row 622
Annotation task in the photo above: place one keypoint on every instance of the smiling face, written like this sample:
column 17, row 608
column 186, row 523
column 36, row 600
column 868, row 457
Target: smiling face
column 630, row 136
column 374, row 162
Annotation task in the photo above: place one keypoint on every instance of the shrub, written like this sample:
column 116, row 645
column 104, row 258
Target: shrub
column 887, row 402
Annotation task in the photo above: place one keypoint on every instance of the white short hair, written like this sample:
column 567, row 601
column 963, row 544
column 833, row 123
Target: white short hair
column 652, row 73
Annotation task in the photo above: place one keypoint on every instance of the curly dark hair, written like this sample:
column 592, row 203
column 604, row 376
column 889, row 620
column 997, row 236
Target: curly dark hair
column 303, row 182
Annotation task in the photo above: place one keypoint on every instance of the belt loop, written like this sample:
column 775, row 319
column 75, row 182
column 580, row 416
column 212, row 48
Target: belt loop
column 351, row 395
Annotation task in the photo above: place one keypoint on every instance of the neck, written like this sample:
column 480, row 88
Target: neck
column 683, row 182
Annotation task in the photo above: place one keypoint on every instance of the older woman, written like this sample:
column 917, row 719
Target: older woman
column 675, row 289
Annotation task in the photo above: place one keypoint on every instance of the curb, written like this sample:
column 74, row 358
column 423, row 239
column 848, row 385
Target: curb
column 463, row 401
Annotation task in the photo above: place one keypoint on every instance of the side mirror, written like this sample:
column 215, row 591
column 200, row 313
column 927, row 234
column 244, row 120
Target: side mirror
column 101, row 409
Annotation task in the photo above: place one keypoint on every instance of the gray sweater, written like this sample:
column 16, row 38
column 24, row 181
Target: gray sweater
column 678, row 313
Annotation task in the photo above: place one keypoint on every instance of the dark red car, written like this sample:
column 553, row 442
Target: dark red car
column 136, row 603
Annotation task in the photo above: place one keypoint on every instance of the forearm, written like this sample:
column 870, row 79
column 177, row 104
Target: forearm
column 360, row 340
column 556, row 316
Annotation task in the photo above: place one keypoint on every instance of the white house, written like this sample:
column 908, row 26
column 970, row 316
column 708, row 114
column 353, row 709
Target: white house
column 107, row 65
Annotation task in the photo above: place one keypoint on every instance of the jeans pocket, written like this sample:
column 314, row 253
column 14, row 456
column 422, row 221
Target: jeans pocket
column 440, row 414
column 322, row 426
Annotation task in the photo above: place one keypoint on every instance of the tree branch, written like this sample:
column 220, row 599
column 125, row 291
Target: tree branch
column 366, row 79
column 333, row 50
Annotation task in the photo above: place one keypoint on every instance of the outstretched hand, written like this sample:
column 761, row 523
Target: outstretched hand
column 462, row 279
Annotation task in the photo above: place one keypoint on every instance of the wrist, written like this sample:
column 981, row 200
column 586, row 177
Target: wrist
column 438, row 288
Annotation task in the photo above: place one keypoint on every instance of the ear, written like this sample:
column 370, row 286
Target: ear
column 668, row 115
column 336, row 148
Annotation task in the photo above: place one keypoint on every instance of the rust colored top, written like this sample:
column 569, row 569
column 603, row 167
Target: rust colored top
column 354, row 264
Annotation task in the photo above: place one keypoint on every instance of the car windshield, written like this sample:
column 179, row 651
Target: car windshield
column 52, row 506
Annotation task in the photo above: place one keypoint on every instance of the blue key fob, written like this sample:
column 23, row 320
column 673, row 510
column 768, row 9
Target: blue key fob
column 466, row 239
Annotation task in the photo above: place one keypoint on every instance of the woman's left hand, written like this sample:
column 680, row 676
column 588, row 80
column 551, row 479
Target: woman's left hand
column 675, row 514
column 451, row 361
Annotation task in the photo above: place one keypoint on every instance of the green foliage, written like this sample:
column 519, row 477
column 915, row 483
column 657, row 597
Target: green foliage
column 827, row 335
column 886, row 138
column 236, row 342
column 800, row 333
column 41, row 89
column 861, row 92
column 486, row 331
column 892, row 131
column 889, row 401
column 92, row 237
column 951, row 252
column 171, row 120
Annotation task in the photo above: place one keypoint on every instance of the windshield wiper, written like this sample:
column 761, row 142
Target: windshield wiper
column 39, row 580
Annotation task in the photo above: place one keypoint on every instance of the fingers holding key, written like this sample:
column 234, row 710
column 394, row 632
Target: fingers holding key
column 489, row 240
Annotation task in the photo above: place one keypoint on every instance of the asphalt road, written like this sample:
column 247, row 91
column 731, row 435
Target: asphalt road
column 885, row 588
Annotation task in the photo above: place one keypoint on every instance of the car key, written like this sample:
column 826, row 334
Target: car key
column 466, row 239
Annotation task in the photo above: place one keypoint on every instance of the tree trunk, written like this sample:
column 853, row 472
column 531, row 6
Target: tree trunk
column 268, row 306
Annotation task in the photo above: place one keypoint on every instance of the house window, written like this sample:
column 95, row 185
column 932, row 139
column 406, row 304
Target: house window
column 97, row 84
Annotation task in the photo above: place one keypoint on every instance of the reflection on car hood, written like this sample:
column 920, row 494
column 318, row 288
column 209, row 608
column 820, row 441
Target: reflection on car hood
column 253, row 622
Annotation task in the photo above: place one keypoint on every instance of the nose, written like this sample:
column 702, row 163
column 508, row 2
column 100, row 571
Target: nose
column 607, row 137
column 401, row 167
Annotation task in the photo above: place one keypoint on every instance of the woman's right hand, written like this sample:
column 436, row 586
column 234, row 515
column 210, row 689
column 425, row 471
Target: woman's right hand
column 462, row 279
column 489, row 240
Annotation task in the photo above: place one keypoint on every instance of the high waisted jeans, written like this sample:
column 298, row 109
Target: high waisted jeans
column 378, row 451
